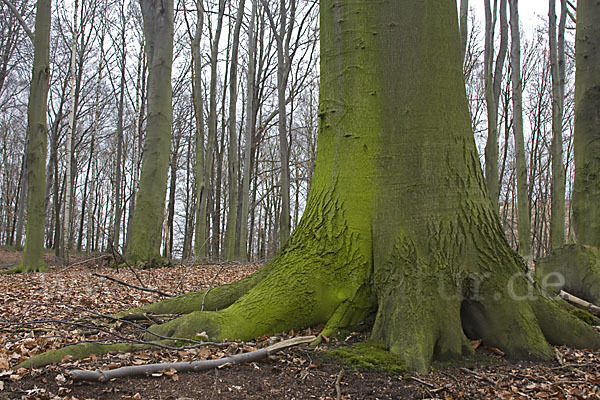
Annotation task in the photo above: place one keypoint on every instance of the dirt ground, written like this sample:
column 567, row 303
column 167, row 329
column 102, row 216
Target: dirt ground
column 39, row 312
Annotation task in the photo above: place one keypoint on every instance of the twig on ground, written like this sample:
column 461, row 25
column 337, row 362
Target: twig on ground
column 338, row 379
column 479, row 376
column 84, row 262
column 203, row 365
column 144, row 289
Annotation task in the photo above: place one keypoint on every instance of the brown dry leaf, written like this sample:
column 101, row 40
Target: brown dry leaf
column 4, row 364
column 175, row 378
column 476, row 343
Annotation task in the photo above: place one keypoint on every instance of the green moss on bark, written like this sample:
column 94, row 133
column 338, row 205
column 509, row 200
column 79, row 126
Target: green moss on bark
column 370, row 355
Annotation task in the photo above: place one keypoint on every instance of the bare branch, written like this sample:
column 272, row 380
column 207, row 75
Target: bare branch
column 19, row 18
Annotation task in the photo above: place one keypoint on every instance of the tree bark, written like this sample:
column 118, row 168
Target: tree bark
column 146, row 229
column 464, row 29
column 243, row 248
column 586, row 188
column 523, row 219
column 493, row 82
column 201, row 189
column 557, row 67
column 398, row 223
column 232, row 160
column 33, row 253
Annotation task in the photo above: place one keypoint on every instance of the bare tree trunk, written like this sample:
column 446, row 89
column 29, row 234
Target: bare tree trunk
column 146, row 228
column 243, row 250
column 33, row 259
column 201, row 175
column 493, row 80
column 118, row 172
column 557, row 67
column 233, row 164
column 64, row 246
column 140, row 101
column 524, row 224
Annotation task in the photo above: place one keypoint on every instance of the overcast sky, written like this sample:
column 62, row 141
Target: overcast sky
column 530, row 11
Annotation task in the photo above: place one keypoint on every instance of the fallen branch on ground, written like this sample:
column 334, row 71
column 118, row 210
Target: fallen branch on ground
column 576, row 301
column 204, row 365
column 110, row 278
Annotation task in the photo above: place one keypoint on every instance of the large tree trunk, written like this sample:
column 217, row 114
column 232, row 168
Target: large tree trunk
column 586, row 189
column 146, row 229
column 398, row 223
column 33, row 254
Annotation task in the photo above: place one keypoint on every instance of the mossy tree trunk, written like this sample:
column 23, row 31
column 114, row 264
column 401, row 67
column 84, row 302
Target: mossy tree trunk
column 586, row 188
column 398, row 222
column 146, row 229
column 33, row 254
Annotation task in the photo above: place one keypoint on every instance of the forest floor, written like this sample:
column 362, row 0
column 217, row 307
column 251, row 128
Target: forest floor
column 43, row 311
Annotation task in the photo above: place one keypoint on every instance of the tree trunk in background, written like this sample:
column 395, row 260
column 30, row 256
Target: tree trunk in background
column 146, row 229
column 464, row 29
column 118, row 170
column 66, row 228
column 493, row 81
column 212, row 119
column 557, row 67
column 586, row 188
column 33, row 253
column 394, row 130
column 523, row 219
column 21, row 204
column 201, row 190
column 232, row 160
column 283, row 70
column 140, row 101
column 243, row 250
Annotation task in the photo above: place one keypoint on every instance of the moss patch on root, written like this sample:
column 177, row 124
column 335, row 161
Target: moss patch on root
column 369, row 355
column 585, row 316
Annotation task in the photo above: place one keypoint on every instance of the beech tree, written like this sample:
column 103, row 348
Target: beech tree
column 579, row 263
column 398, row 224
column 146, row 229
column 37, row 130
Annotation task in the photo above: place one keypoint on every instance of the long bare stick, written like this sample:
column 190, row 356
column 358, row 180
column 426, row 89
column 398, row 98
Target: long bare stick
column 196, row 366
column 144, row 289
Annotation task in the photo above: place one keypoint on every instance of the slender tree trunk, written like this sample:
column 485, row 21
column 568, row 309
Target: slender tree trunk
column 233, row 164
column 146, row 228
column 201, row 175
column 22, row 201
column 557, row 66
column 140, row 101
column 243, row 248
column 586, row 188
column 64, row 244
column 119, row 135
column 33, row 254
column 493, row 81
column 524, row 225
